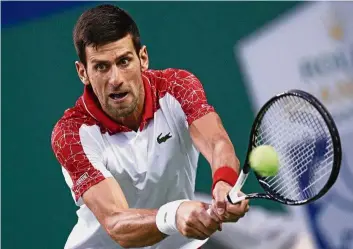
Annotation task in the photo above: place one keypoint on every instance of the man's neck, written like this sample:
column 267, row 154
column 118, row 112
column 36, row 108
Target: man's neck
column 133, row 121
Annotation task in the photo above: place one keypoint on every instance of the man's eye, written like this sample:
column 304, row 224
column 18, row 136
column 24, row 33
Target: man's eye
column 124, row 61
column 101, row 67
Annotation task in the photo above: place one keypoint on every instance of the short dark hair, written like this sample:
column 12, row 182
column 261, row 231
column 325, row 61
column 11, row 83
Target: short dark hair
column 101, row 25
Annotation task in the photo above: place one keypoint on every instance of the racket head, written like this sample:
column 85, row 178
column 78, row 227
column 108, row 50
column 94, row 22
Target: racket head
column 306, row 138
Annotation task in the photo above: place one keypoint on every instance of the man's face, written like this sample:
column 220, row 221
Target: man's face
column 114, row 71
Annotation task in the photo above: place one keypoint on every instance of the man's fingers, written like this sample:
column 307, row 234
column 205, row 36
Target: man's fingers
column 238, row 209
column 220, row 203
column 210, row 222
column 245, row 205
column 213, row 212
column 198, row 225
column 192, row 232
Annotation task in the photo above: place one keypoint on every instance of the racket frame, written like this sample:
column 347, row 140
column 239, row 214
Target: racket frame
column 233, row 197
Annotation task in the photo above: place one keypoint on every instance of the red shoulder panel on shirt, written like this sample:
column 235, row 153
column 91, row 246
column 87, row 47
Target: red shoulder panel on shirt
column 185, row 88
column 67, row 147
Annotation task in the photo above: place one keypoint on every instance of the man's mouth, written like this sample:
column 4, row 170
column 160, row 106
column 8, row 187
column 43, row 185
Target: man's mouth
column 118, row 96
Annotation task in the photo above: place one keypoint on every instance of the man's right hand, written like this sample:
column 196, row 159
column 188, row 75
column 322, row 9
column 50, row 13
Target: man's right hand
column 193, row 221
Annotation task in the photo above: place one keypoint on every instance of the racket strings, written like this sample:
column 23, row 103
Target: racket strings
column 300, row 135
column 276, row 129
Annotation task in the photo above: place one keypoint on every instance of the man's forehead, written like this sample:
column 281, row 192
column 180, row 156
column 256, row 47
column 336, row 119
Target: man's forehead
column 114, row 49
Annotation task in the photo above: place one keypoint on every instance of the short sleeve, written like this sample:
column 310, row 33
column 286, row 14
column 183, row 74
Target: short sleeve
column 189, row 92
column 79, row 156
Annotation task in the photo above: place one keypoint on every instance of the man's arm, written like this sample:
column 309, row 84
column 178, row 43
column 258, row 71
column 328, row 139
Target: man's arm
column 137, row 227
column 211, row 139
column 128, row 227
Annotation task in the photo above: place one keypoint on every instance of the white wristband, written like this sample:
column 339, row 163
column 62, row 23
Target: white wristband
column 166, row 217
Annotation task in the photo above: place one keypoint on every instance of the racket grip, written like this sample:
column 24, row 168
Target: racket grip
column 236, row 199
column 233, row 193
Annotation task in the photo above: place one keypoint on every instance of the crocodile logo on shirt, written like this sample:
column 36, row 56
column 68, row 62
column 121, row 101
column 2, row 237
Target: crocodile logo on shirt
column 161, row 139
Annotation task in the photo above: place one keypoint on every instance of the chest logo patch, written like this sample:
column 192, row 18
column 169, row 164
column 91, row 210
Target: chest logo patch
column 161, row 139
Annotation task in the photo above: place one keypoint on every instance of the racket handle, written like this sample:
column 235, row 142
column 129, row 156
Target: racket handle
column 236, row 199
column 233, row 193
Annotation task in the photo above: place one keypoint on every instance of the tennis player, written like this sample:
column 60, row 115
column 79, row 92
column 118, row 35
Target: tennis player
column 130, row 145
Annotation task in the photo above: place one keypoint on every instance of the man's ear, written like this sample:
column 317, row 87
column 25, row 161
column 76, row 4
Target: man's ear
column 144, row 58
column 81, row 72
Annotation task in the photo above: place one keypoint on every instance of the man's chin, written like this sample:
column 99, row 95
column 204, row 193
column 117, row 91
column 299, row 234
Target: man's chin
column 121, row 111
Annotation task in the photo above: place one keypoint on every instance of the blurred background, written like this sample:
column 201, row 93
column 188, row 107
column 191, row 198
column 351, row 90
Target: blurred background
column 243, row 53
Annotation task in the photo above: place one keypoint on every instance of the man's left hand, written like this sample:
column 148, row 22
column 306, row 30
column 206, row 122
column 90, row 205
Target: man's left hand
column 226, row 211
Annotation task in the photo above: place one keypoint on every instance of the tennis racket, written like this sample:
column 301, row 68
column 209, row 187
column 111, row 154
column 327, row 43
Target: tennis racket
column 307, row 141
column 306, row 138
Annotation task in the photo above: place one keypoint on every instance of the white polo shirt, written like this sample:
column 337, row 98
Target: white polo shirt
column 155, row 165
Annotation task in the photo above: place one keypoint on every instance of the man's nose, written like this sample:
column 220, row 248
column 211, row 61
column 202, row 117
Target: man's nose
column 115, row 77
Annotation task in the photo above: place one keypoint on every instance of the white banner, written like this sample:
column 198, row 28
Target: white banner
column 311, row 48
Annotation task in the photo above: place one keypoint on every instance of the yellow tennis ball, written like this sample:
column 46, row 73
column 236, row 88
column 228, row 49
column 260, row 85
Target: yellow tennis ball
column 264, row 160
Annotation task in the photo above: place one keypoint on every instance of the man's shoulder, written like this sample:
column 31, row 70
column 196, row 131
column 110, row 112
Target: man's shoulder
column 72, row 120
column 168, row 74
column 171, row 80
